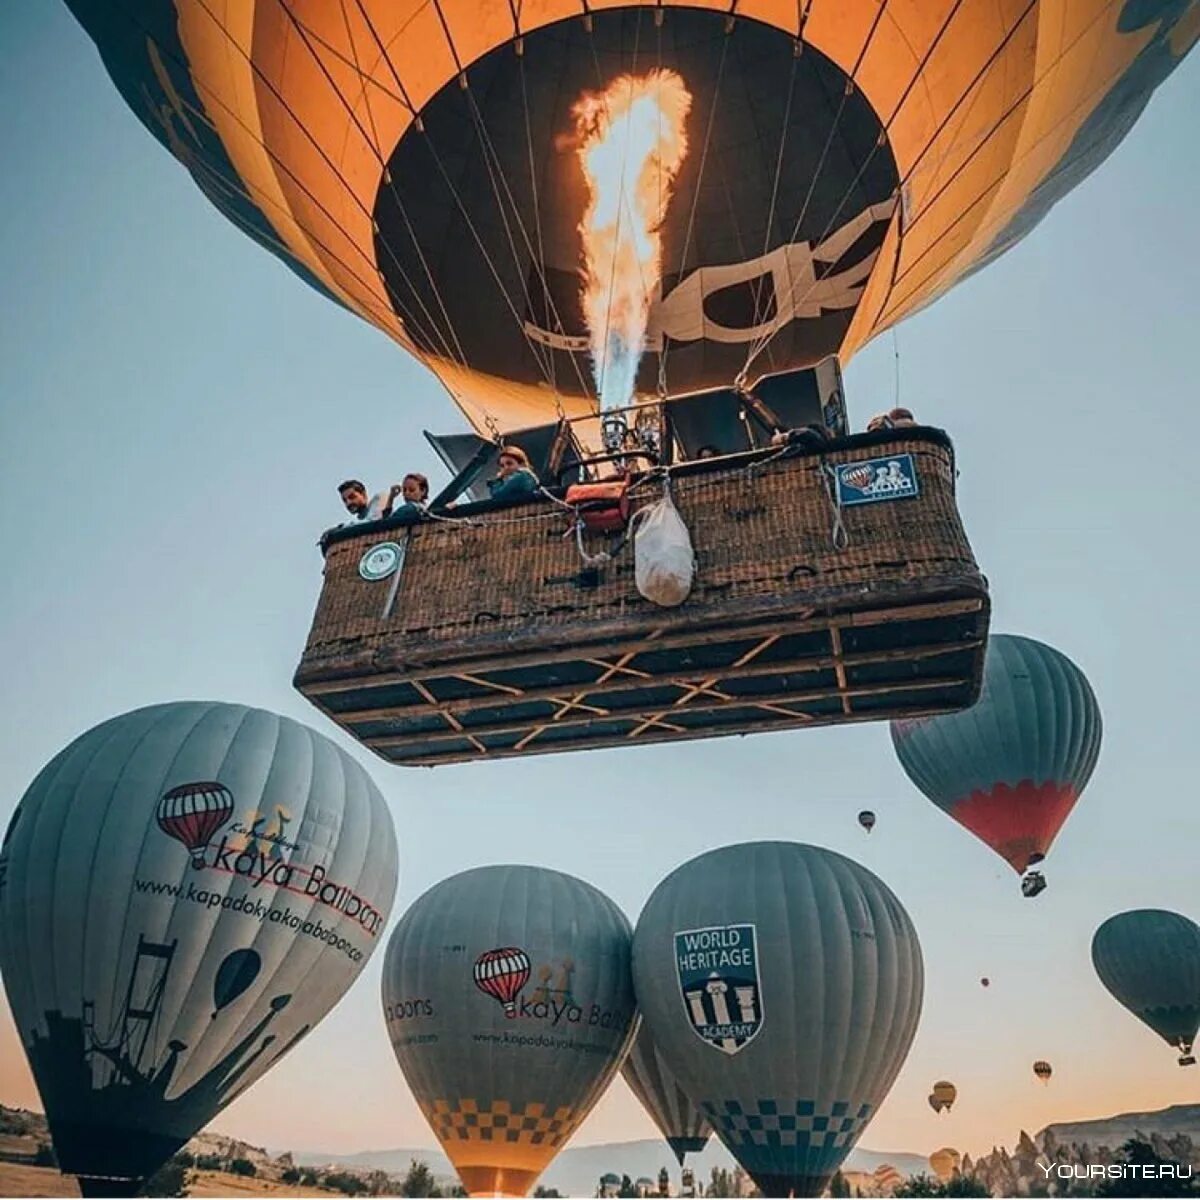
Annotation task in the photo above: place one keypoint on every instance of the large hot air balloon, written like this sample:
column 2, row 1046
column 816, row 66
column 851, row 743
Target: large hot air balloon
column 944, row 1163
column 1011, row 767
column 1043, row 1070
column 176, row 963
column 506, row 1059
column 782, row 984
column 821, row 171
column 652, row 1082
column 1149, row 959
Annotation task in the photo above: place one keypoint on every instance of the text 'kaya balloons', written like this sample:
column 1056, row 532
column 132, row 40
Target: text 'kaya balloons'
column 158, row 961
column 420, row 165
column 1010, row 767
column 1149, row 959
column 509, row 1004
column 652, row 1082
column 782, row 984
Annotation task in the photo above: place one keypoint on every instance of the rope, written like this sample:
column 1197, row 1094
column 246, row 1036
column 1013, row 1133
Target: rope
column 687, row 240
column 896, row 359
column 760, row 343
column 838, row 537
column 387, row 175
column 969, row 90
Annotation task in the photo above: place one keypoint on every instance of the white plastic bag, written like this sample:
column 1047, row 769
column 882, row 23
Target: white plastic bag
column 663, row 561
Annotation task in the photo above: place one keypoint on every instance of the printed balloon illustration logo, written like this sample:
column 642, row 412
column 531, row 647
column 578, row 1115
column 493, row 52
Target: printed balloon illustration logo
column 502, row 974
column 858, row 477
column 192, row 813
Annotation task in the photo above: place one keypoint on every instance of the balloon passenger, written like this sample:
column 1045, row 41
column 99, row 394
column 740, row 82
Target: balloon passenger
column 896, row 418
column 354, row 496
column 515, row 477
column 414, row 489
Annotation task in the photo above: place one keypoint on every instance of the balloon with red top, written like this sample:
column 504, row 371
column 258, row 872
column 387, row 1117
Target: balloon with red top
column 1011, row 767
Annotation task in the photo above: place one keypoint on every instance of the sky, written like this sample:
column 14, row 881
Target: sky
column 176, row 409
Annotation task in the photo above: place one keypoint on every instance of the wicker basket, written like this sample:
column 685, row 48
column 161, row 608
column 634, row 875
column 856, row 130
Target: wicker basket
column 494, row 638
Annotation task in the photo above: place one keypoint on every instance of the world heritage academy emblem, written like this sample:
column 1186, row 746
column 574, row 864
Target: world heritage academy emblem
column 718, row 979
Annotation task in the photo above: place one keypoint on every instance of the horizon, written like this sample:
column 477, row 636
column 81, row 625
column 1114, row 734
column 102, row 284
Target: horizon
column 185, row 407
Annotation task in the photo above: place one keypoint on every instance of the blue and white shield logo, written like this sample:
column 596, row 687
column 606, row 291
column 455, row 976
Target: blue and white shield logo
column 718, row 980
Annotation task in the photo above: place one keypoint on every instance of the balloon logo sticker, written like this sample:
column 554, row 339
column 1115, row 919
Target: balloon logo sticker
column 380, row 562
column 502, row 974
column 718, row 979
column 878, row 479
column 192, row 813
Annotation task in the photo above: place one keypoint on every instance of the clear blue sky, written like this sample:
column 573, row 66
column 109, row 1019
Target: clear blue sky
column 176, row 408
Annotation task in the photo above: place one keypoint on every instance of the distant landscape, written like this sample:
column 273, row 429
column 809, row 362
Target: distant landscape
column 222, row 1166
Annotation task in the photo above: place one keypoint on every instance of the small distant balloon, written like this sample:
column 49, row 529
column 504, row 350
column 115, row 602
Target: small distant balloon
column 866, row 819
column 1043, row 1070
column 944, row 1163
column 235, row 974
column 985, row 982
column 943, row 1096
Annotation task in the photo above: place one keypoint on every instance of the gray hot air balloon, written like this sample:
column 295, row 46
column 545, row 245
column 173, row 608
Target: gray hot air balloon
column 651, row 1081
column 509, row 1003
column 782, row 984
column 1149, row 959
column 161, row 943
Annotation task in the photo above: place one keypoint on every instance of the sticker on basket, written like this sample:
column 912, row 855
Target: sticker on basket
column 877, row 479
column 380, row 562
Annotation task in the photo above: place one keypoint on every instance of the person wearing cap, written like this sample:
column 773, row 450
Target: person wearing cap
column 515, row 477
column 897, row 418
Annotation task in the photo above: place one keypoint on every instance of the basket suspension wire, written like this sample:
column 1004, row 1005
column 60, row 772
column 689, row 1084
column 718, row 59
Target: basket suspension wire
column 307, row 39
column 708, row 132
column 498, row 179
column 896, row 361
column 897, row 194
column 457, row 353
column 759, row 344
column 380, row 314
